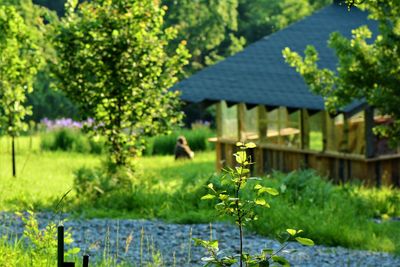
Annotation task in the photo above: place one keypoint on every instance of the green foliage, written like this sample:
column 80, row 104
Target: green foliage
column 112, row 60
column 242, row 207
column 36, row 246
column 165, row 144
column 367, row 70
column 109, row 187
column 18, row 67
column 66, row 139
column 258, row 18
column 45, row 102
column 208, row 27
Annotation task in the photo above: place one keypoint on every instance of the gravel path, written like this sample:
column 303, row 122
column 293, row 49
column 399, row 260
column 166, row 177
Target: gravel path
column 125, row 239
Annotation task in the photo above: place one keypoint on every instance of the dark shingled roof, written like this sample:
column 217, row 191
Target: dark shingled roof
column 259, row 74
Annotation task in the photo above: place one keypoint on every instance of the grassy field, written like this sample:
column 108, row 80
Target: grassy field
column 169, row 190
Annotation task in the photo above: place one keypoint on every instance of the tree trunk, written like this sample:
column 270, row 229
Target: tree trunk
column 14, row 172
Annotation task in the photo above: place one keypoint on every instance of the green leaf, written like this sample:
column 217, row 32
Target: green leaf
column 242, row 171
column 280, row 260
column 73, row 251
column 262, row 202
column 223, row 197
column 250, row 145
column 211, row 186
column 213, row 244
column 292, row 232
column 207, row 197
column 269, row 190
column 239, row 144
column 257, row 186
column 305, row 241
column 241, row 157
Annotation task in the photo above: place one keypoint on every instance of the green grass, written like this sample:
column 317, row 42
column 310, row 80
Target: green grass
column 171, row 190
column 42, row 177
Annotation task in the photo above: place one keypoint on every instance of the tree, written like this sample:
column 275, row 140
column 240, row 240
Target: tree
column 366, row 69
column 112, row 60
column 19, row 62
column 258, row 18
column 209, row 26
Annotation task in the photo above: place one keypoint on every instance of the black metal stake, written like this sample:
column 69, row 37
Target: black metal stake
column 60, row 246
column 85, row 260
column 60, row 251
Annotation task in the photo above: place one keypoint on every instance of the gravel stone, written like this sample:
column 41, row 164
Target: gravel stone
column 138, row 241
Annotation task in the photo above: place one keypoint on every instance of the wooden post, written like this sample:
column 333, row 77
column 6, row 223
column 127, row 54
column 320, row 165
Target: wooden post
column 328, row 132
column 219, row 119
column 220, row 133
column 279, row 126
column 262, row 123
column 304, row 129
column 369, row 135
column 344, row 146
column 241, row 111
column 218, row 151
column 324, row 131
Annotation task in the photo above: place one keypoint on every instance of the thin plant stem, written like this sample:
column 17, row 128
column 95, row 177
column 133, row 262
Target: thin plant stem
column 141, row 246
column 189, row 248
column 239, row 215
column 117, row 240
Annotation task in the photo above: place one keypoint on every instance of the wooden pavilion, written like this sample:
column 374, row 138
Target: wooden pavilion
column 258, row 97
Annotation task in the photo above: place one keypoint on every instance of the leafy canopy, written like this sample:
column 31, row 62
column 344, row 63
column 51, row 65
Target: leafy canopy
column 368, row 66
column 113, row 62
column 20, row 58
column 209, row 26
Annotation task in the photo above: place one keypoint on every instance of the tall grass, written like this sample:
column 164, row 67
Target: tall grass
column 66, row 139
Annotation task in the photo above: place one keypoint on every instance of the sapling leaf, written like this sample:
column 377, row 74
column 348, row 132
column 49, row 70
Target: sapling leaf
column 305, row 241
column 207, row 197
column 242, row 171
column 73, row 251
column 250, row 145
column 261, row 202
column 223, row 197
column 269, row 190
column 292, row 232
column 241, row 157
column 239, row 144
column 213, row 244
column 257, row 186
column 280, row 260
column 211, row 186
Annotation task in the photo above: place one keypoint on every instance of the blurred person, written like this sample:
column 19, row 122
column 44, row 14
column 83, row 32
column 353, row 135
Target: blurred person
column 182, row 149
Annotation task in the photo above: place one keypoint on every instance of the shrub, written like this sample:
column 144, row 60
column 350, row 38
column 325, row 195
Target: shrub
column 109, row 187
column 66, row 139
